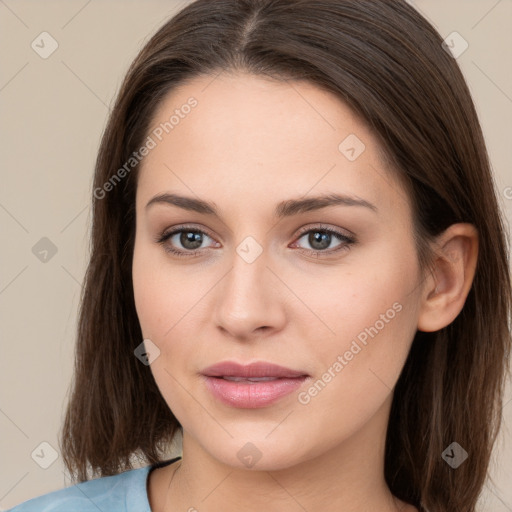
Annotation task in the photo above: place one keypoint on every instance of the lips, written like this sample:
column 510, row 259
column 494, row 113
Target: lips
column 251, row 386
column 253, row 371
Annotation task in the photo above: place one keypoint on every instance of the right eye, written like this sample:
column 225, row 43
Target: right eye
column 190, row 239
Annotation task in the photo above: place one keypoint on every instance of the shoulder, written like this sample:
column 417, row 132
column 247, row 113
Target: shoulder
column 125, row 492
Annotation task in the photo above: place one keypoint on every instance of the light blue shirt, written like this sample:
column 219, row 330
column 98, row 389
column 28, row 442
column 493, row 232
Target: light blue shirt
column 125, row 492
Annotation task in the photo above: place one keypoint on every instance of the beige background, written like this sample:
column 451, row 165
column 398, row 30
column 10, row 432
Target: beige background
column 52, row 114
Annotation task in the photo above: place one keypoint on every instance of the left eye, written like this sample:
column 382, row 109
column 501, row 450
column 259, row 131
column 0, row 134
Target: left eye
column 321, row 239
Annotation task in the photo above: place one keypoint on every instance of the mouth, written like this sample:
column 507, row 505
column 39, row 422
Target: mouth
column 248, row 379
column 252, row 372
column 251, row 386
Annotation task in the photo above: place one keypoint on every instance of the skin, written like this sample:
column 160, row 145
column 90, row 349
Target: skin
column 249, row 144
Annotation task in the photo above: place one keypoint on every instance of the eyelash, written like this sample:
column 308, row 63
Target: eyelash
column 348, row 241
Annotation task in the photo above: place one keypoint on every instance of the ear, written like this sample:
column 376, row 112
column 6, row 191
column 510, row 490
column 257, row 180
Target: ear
column 448, row 283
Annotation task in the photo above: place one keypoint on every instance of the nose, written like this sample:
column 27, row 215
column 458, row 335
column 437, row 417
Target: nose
column 250, row 300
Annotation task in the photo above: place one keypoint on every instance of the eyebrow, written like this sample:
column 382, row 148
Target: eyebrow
column 283, row 209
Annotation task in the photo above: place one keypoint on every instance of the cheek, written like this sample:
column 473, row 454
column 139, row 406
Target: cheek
column 369, row 318
column 375, row 290
column 360, row 365
column 359, row 376
column 168, row 298
column 152, row 294
column 162, row 312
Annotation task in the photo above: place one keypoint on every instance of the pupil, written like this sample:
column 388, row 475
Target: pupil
column 190, row 237
column 322, row 238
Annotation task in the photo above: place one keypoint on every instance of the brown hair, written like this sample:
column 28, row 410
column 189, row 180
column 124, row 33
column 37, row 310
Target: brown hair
column 387, row 63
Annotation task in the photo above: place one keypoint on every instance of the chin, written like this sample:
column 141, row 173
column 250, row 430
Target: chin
column 260, row 454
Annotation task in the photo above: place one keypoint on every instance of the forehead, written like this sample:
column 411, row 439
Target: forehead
column 262, row 139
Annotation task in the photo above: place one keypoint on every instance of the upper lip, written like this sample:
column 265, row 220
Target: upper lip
column 258, row 369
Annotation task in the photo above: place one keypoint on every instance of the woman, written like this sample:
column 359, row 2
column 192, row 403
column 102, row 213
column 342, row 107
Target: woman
column 298, row 266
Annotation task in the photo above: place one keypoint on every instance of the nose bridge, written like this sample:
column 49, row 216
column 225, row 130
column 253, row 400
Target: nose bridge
column 249, row 297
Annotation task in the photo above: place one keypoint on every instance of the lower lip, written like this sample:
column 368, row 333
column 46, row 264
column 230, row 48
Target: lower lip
column 251, row 395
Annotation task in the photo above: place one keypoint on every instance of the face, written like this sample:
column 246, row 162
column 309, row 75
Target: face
column 329, row 290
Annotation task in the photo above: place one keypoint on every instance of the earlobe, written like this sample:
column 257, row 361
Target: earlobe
column 453, row 270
